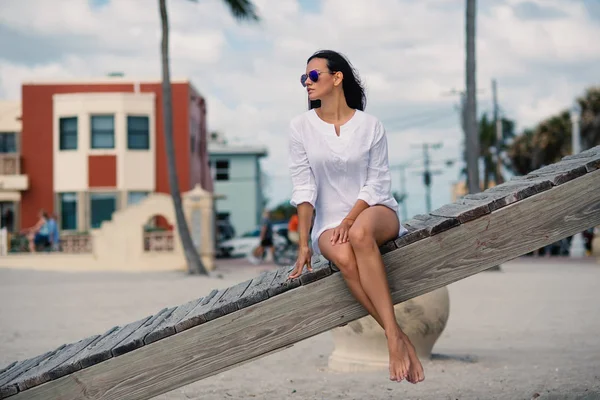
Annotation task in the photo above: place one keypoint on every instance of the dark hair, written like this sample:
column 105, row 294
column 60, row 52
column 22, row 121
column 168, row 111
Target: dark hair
column 354, row 91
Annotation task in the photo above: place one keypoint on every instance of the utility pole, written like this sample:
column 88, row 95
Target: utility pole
column 498, row 122
column 472, row 134
column 427, row 172
column 577, row 249
column 401, row 197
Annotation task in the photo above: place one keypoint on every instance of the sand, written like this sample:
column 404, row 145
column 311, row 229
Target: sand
column 532, row 329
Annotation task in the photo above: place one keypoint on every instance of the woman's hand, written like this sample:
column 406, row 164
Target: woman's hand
column 340, row 232
column 304, row 256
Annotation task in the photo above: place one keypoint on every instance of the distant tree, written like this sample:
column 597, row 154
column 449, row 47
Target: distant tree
column 283, row 211
column 487, row 143
column 550, row 140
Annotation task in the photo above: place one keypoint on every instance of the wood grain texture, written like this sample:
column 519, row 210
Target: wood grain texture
column 414, row 234
column 136, row 338
column 7, row 367
column 74, row 363
column 41, row 372
column 589, row 153
column 307, row 310
column 196, row 315
column 258, row 290
column 101, row 349
column 227, row 303
column 387, row 247
column 320, row 270
column 167, row 326
column 23, row 366
column 463, row 212
column 281, row 283
column 513, row 191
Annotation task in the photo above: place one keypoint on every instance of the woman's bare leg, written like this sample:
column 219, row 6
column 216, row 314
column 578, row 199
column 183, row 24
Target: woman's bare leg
column 373, row 227
column 342, row 256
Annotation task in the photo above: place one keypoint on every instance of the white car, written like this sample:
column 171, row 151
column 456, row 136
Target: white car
column 242, row 245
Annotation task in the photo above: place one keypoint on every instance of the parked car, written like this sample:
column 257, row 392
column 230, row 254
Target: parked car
column 242, row 245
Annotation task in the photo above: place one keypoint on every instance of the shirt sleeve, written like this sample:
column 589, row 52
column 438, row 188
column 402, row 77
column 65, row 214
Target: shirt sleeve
column 303, row 179
column 379, row 181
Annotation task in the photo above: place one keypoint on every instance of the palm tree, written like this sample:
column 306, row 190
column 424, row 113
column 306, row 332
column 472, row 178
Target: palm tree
column 550, row 140
column 487, row 140
column 241, row 10
column 487, row 152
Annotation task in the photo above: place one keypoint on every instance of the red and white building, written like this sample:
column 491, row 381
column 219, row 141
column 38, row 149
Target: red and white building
column 86, row 149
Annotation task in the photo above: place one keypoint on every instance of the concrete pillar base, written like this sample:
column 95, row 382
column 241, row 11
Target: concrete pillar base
column 362, row 346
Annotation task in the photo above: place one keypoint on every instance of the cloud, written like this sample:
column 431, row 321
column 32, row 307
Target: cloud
column 410, row 55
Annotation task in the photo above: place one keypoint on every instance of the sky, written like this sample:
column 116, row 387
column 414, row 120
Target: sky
column 409, row 54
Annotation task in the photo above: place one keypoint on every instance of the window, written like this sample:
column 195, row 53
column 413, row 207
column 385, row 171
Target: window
column 102, row 207
column 103, row 132
column 68, row 211
column 138, row 133
column 8, row 142
column 135, row 197
column 222, row 170
column 67, row 139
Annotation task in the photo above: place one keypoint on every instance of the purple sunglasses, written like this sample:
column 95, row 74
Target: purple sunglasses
column 313, row 75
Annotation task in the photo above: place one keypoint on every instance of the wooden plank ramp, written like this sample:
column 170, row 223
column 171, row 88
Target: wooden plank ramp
column 232, row 326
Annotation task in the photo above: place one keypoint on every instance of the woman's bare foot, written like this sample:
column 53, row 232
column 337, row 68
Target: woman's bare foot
column 415, row 370
column 399, row 358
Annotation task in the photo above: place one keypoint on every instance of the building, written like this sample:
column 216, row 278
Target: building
column 237, row 175
column 85, row 149
column 12, row 180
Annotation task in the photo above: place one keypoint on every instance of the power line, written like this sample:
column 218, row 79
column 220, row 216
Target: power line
column 424, row 122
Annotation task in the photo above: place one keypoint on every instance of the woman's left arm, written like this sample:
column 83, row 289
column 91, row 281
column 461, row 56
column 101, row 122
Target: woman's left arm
column 376, row 188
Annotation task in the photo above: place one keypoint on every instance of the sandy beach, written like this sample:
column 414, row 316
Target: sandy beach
column 529, row 331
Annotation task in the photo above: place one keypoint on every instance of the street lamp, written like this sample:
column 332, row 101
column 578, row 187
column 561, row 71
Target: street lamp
column 577, row 249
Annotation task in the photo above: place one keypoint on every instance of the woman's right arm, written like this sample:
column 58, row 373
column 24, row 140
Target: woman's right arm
column 304, row 197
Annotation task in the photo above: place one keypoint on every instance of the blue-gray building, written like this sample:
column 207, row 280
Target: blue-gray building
column 237, row 175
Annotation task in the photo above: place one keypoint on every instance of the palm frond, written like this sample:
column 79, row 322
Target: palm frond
column 242, row 9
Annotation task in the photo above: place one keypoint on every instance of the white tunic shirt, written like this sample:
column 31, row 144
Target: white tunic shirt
column 332, row 172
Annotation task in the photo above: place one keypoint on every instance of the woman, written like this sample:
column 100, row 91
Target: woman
column 339, row 167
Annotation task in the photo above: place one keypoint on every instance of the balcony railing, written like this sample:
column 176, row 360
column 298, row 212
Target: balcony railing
column 10, row 164
column 76, row 243
column 158, row 242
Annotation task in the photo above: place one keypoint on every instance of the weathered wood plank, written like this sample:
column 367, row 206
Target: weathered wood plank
column 136, row 339
column 589, row 153
column 7, row 389
column 463, row 212
column 513, row 191
column 269, row 325
column 320, row 269
column 23, row 366
column 413, row 235
column 557, row 174
column 422, row 226
column 41, row 372
column 73, row 364
column 258, row 290
column 281, row 283
column 196, row 315
column 167, row 326
column 101, row 349
column 387, row 247
column 228, row 302
column 311, row 309
column 433, row 224
column 7, row 367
